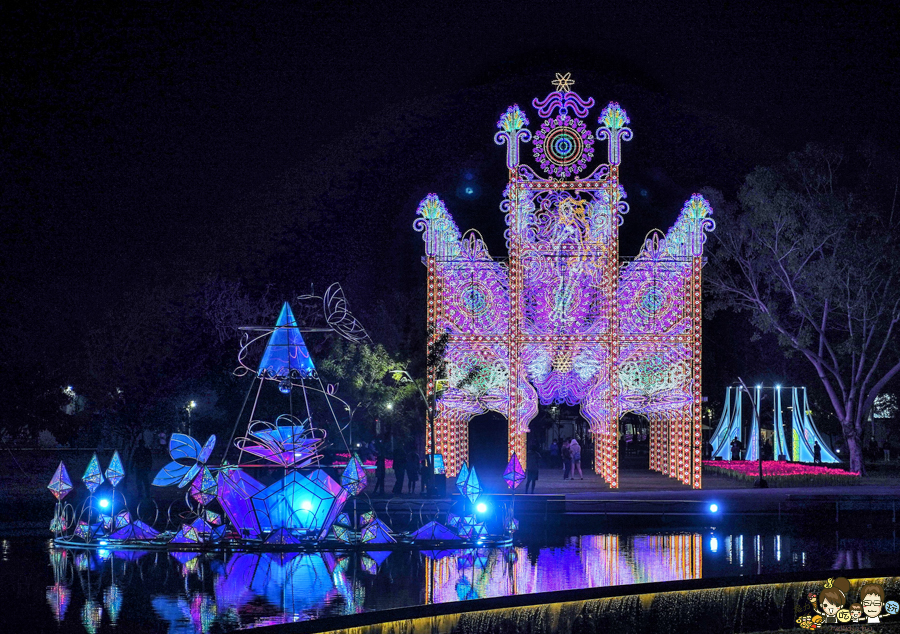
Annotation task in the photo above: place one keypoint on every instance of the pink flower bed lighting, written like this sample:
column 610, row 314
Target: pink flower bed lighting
column 773, row 468
column 781, row 473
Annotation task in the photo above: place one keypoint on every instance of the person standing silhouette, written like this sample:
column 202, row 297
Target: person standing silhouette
column 143, row 462
column 817, row 453
column 399, row 470
column 379, row 470
column 533, row 469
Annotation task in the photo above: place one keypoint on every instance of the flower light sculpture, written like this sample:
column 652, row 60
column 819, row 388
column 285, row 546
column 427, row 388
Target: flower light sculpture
column 562, row 319
column 288, row 442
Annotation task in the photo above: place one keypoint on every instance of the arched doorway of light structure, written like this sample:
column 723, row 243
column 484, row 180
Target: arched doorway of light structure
column 487, row 436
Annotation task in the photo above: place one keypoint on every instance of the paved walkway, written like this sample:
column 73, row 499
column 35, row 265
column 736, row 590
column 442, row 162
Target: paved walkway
column 642, row 491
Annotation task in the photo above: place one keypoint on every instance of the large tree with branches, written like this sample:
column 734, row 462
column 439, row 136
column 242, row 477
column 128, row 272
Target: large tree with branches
column 808, row 251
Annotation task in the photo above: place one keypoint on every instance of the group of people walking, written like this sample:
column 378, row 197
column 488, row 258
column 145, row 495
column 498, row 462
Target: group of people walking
column 408, row 470
column 569, row 453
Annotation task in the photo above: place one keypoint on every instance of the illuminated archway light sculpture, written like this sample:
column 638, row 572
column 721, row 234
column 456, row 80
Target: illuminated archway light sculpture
column 562, row 319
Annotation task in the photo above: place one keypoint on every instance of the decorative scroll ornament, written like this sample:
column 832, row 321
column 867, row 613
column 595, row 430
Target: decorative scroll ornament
column 613, row 122
column 512, row 130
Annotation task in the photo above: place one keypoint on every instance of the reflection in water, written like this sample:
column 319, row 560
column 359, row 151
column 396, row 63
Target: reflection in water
column 196, row 592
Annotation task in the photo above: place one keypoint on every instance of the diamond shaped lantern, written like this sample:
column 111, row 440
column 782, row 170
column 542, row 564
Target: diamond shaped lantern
column 461, row 477
column 203, row 489
column 86, row 531
column 377, row 532
column 93, row 476
column 123, row 519
column 115, row 472
column 514, row 474
column 471, row 486
column 354, row 477
column 300, row 503
column 60, row 484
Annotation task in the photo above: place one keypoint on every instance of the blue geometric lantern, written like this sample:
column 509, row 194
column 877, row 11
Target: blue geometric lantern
column 286, row 354
column 354, row 477
column 93, row 476
column 115, row 472
column 300, row 503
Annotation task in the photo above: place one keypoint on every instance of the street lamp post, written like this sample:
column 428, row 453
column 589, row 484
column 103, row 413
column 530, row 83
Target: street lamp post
column 189, row 407
column 761, row 483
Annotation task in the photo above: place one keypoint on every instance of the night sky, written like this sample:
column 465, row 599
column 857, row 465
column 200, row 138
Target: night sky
column 147, row 142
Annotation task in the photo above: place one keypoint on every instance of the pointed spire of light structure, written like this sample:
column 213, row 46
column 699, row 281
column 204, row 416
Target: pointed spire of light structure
column 286, row 355
column 514, row 474
column 115, row 472
column 93, row 476
column 354, row 477
column 60, row 485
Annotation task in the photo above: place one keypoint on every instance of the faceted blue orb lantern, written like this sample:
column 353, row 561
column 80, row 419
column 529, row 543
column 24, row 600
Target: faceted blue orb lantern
column 300, row 503
column 285, row 386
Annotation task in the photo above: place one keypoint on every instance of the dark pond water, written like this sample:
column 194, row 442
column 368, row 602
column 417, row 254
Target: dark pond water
column 58, row 590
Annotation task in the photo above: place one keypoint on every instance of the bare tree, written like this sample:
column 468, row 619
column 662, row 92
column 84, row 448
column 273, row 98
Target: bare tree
column 808, row 252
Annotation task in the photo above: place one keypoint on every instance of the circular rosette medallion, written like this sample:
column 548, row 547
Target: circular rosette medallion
column 474, row 297
column 563, row 146
column 652, row 301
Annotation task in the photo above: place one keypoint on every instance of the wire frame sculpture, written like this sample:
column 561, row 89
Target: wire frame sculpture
column 289, row 442
column 562, row 319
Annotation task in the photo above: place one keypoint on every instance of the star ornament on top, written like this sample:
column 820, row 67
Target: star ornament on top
column 563, row 83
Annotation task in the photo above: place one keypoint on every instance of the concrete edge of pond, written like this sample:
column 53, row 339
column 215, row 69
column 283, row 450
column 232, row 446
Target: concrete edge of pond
column 741, row 603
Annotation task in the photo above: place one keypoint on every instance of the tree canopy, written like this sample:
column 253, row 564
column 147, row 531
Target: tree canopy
column 807, row 251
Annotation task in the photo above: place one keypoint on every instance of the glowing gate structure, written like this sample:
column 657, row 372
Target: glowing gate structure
column 562, row 319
